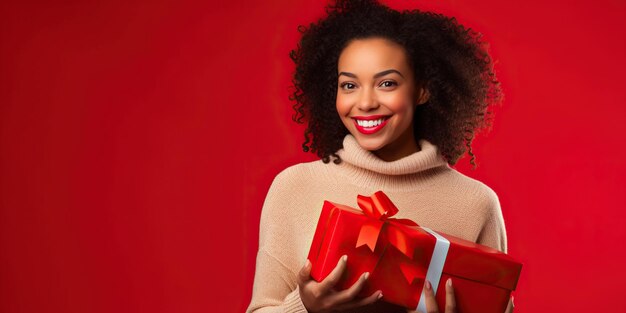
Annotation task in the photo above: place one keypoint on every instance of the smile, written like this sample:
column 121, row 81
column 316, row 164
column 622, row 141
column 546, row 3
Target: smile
column 370, row 124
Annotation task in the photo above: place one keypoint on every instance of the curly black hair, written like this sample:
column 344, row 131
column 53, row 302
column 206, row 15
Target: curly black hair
column 450, row 59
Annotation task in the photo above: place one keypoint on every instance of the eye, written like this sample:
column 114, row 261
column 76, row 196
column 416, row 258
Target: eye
column 388, row 83
column 349, row 85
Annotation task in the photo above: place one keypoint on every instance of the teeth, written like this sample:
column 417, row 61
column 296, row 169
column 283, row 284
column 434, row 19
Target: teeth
column 371, row 123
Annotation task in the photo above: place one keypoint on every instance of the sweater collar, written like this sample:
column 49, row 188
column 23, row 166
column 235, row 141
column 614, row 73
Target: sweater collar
column 428, row 157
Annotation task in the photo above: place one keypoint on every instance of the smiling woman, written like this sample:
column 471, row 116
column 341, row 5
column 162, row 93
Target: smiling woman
column 448, row 60
column 376, row 101
column 392, row 98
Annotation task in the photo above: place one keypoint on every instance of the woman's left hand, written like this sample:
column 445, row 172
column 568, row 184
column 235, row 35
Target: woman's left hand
column 431, row 302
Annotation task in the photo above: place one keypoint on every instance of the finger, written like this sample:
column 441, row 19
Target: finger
column 305, row 273
column 349, row 294
column 510, row 307
column 450, row 299
column 333, row 278
column 361, row 302
column 431, row 302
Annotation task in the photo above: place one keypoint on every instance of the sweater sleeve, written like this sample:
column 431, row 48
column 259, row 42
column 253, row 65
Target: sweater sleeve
column 493, row 232
column 273, row 290
column 275, row 287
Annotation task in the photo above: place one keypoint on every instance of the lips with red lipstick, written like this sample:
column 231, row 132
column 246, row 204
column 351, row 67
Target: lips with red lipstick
column 370, row 124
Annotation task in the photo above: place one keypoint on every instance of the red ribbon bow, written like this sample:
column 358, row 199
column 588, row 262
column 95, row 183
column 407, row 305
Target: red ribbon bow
column 381, row 209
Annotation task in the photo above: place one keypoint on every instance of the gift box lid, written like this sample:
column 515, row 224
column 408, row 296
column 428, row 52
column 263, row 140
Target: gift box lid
column 481, row 263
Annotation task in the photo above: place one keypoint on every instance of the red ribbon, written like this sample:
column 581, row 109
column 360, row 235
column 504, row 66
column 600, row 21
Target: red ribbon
column 380, row 209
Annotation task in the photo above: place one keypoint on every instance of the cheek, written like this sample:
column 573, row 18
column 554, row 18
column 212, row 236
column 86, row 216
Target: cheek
column 342, row 107
column 400, row 104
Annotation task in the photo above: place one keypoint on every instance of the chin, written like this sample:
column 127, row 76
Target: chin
column 370, row 144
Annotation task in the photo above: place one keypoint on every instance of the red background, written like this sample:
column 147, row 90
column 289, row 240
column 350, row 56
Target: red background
column 138, row 140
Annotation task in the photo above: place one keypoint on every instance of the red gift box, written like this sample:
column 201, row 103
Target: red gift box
column 400, row 256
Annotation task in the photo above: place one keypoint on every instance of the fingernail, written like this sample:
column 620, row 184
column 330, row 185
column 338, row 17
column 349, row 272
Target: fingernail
column 449, row 282
column 380, row 295
column 307, row 263
column 345, row 258
column 428, row 286
column 366, row 275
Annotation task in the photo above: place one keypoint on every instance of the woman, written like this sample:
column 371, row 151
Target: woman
column 392, row 98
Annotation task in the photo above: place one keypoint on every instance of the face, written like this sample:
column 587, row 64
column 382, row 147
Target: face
column 377, row 95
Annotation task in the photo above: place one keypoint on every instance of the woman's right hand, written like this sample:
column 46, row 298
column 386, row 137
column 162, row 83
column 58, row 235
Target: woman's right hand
column 321, row 297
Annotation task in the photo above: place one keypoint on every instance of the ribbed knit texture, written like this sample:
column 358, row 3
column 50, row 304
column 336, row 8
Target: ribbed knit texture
column 422, row 185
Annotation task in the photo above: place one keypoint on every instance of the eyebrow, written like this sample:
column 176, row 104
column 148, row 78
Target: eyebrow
column 383, row 73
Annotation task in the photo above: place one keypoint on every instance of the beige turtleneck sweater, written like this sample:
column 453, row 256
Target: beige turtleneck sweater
column 422, row 185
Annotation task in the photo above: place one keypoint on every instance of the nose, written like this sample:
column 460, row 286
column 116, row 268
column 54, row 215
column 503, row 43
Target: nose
column 367, row 101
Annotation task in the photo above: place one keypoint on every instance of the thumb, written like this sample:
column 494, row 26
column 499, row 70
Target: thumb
column 305, row 273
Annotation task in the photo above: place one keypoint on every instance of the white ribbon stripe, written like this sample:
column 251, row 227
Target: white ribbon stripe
column 435, row 268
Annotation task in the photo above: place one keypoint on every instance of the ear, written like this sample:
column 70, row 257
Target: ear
column 423, row 95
